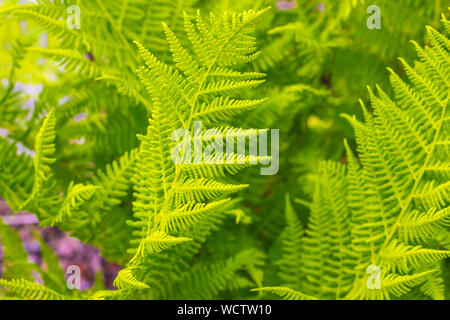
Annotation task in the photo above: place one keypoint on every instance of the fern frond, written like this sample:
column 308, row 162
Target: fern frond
column 285, row 293
column 77, row 194
column 418, row 226
column 224, row 108
column 122, row 294
column 405, row 201
column 114, row 181
column 433, row 286
column 327, row 247
column 206, row 281
column 45, row 149
column 72, row 61
column 400, row 257
column 159, row 241
column 126, row 279
column 177, row 260
column 430, row 196
column 188, row 214
column 291, row 241
column 167, row 193
column 15, row 173
column 391, row 285
column 31, row 290
column 203, row 189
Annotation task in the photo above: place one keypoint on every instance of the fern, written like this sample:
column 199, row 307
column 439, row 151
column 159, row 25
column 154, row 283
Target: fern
column 168, row 195
column 291, row 240
column 159, row 209
column 45, row 148
column 101, row 128
column 31, row 290
column 76, row 195
column 286, row 293
column 386, row 209
column 206, row 281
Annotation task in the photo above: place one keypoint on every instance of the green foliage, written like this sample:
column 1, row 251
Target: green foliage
column 169, row 197
column 286, row 293
column 101, row 142
column 386, row 208
column 31, row 290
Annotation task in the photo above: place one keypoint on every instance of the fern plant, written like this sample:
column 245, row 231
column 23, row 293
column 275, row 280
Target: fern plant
column 386, row 209
column 309, row 53
column 167, row 194
column 174, row 203
column 93, row 120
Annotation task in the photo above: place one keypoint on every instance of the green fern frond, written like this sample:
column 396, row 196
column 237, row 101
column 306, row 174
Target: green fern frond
column 16, row 170
column 327, row 247
column 177, row 260
column 285, row 293
column 419, row 226
column 77, row 194
column 206, row 281
column 400, row 257
column 369, row 212
column 72, row 60
column 45, row 149
column 403, row 200
column 31, row 290
column 122, row 294
column 203, row 189
column 187, row 215
column 291, row 241
column 126, row 279
column 224, row 108
column 178, row 92
column 391, row 285
column 433, row 286
column 430, row 196
column 159, row 241
column 114, row 181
